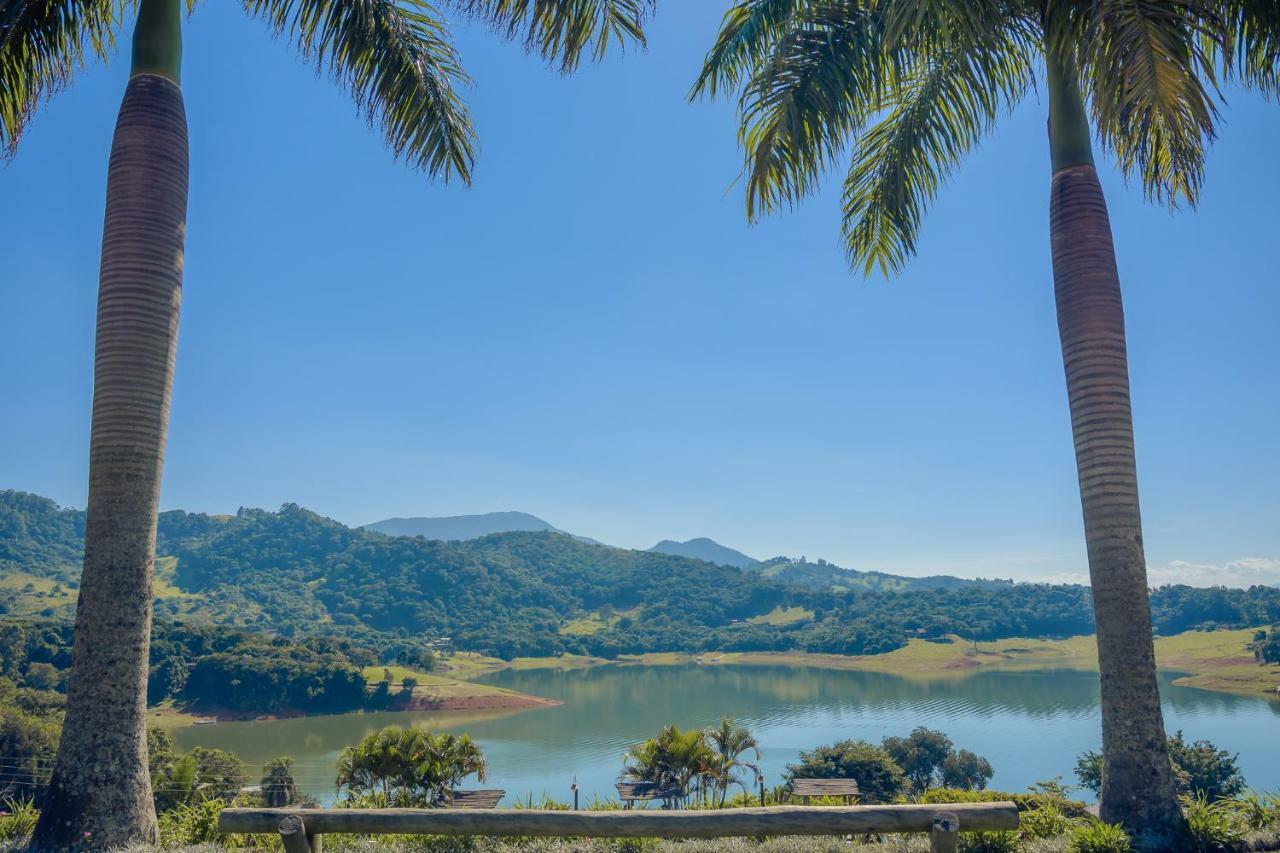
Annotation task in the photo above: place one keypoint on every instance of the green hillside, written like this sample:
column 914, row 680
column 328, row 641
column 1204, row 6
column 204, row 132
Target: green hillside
column 544, row 593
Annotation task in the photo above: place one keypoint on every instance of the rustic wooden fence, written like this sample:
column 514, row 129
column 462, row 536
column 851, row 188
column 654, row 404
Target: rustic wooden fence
column 302, row 829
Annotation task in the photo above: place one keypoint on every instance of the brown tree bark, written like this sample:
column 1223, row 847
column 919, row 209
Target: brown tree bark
column 1137, row 780
column 100, row 792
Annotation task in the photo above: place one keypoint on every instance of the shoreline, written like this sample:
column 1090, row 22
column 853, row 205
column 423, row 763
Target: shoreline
column 1207, row 660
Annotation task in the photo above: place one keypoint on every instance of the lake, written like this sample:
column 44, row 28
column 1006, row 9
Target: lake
column 1031, row 726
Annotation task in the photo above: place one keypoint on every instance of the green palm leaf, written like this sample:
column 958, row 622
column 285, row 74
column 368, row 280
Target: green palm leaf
column 562, row 31
column 396, row 58
column 1253, row 39
column 816, row 87
column 747, row 34
column 41, row 44
column 938, row 113
column 1149, row 78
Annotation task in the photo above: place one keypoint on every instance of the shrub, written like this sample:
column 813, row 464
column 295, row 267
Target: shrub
column 989, row 842
column 880, row 779
column 1198, row 768
column 1072, row 809
column 17, row 819
column 1257, row 811
column 191, row 823
column 1213, row 827
column 1100, row 838
column 1048, row 821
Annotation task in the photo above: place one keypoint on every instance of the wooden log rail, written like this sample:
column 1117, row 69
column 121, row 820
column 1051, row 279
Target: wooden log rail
column 301, row 829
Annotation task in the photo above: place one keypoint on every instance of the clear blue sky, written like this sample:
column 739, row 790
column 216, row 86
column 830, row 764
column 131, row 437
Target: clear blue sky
column 593, row 334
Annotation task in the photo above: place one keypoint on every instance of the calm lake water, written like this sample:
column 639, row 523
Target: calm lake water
column 1030, row 725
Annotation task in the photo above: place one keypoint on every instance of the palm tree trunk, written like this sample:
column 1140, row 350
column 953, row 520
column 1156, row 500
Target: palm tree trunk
column 1137, row 781
column 100, row 792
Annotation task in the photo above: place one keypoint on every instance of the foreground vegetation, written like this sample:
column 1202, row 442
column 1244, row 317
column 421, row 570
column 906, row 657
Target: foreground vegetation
column 711, row 768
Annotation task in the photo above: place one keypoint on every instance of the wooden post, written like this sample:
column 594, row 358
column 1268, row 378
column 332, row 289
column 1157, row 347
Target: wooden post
column 641, row 823
column 293, row 834
column 945, row 836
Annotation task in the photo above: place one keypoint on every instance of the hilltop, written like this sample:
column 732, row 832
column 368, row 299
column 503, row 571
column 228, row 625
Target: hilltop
column 705, row 549
column 457, row 528
column 539, row 593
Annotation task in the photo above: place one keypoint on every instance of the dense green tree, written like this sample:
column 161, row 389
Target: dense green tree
column 879, row 778
column 1200, row 769
column 965, row 770
column 920, row 755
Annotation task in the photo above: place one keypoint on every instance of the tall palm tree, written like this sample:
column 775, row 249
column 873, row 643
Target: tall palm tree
column 729, row 742
column 396, row 59
column 912, row 86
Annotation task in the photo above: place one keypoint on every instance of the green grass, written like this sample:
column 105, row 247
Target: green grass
column 783, row 616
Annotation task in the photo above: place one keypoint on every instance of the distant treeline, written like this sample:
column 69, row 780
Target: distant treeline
column 295, row 573
column 226, row 668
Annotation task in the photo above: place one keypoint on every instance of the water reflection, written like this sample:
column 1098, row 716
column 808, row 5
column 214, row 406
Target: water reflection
column 1031, row 725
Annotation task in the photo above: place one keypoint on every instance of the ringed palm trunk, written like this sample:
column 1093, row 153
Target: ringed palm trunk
column 1137, row 779
column 100, row 792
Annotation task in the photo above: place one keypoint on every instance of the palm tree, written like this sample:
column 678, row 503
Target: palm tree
column 912, row 86
column 729, row 742
column 278, row 786
column 396, row 59
column 674, row 761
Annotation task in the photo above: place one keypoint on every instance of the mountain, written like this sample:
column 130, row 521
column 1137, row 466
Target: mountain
column 705, row 549
column 295, row 573
column 459, row 528
column 824, row 575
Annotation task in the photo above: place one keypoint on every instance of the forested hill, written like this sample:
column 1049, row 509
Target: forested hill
column 537, row 593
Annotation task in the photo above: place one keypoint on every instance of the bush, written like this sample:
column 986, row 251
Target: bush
column 1100, row 838
column 1213, row 827
column 17, row 819
column 191, row 823
column 880, row 779
column 1198, row 768
column 1072, row 809
column 1257, row 811
column 989, row 842
column 1048, row 821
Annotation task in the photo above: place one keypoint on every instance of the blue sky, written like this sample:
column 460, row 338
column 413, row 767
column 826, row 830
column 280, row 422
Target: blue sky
column 592, row 333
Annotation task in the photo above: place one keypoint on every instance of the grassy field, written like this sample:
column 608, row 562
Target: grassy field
column 782, row 616
column 434, row 686
column 1213, row 660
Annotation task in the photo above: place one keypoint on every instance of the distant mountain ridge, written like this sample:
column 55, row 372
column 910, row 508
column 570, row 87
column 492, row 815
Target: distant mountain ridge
column 459, row 528
column 544, row 593
column 825, row 575
column 703, row 548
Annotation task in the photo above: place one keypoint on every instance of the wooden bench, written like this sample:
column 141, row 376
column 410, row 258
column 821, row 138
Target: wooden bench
column 301, row 829
column 629, row 793
column 487, row 799
column 806, row 788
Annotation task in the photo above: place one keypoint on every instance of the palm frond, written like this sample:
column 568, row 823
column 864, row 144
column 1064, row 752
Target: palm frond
column 562, row 31
column 1253, row 42
column 1151, row 84
column 938, row 113
column 938, row 25
column 816, row 87
column 747, row 35
column 396, row 58
column 42, row 44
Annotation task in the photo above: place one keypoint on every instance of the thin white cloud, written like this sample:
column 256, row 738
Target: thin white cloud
column 1242, row 573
